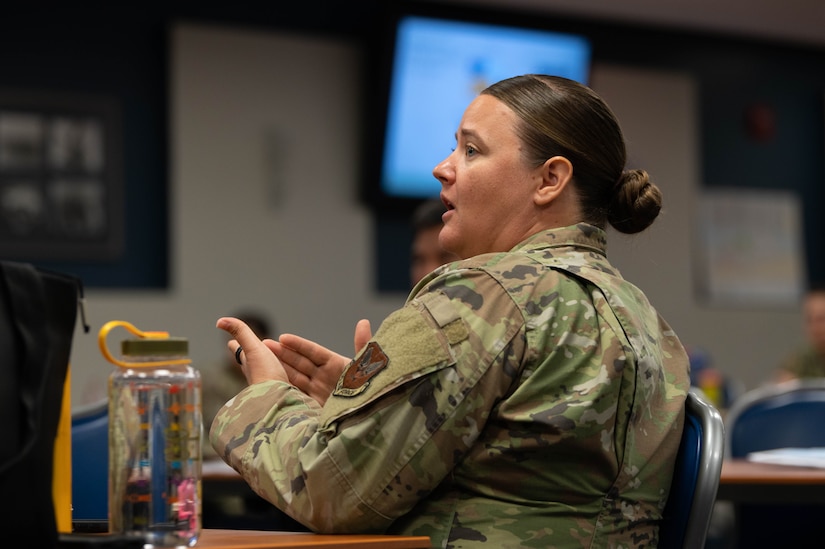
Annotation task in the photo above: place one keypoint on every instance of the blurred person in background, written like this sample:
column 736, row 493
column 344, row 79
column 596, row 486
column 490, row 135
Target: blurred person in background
column 809, row 360
column 427, row 254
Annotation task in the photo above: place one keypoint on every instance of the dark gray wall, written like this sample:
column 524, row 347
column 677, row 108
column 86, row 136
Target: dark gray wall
column 122, row 53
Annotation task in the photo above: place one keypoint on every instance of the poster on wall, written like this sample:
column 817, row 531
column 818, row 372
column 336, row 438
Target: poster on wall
column 60, row 177
column 750, row 247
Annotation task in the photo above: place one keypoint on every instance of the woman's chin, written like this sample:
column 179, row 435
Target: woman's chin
column 450, row 242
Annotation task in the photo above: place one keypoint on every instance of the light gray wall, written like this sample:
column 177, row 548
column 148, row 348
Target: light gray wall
column 658, row 113
column 264, row 211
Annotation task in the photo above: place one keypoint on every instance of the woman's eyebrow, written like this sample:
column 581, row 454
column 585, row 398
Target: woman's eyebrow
column 466, row 132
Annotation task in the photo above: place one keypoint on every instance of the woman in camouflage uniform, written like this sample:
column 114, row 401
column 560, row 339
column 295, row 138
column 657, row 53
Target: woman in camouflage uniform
column 524, row 396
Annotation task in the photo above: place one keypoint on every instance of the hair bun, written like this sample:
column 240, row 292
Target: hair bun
column 636, row 202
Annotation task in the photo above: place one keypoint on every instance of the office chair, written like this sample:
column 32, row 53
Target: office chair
column 788, row 414
column 90, row 462
column 689, row 506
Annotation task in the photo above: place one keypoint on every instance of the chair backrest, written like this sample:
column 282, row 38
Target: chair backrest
column 90, row 462
column 788, row 414
column 695, row 477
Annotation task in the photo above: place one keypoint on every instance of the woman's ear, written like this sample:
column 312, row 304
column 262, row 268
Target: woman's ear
column 556, row 173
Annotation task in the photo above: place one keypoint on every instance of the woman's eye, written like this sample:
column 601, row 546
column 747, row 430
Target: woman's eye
column 471, row 150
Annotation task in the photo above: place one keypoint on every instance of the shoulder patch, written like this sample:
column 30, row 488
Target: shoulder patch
column 358, row 374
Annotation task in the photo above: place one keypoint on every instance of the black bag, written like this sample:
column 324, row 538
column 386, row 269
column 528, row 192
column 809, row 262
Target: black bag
column 38, row 310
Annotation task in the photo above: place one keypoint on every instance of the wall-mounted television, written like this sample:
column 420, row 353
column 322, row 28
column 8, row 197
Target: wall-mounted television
column 433, row 68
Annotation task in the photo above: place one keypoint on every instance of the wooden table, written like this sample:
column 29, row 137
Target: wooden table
column 744, row 481
column 257, row 539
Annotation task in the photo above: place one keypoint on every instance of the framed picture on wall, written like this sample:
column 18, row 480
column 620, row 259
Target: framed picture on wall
column 751, row 247
column 60, row 177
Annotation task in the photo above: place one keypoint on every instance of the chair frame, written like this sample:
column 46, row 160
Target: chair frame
column 702, row 418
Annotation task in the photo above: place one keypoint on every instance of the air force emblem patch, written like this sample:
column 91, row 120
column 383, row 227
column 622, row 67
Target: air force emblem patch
column 361, row 370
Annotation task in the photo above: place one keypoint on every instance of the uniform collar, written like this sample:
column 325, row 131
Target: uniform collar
column 581, row 235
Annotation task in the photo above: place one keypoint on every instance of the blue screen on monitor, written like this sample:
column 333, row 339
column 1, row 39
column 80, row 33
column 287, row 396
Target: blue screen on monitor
column 439, row 67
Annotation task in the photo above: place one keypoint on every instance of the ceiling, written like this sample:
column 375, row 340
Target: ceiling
column 799, row 22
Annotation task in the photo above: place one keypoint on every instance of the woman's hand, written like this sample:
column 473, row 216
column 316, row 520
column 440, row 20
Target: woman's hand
column 312, row 367
column 257, row 362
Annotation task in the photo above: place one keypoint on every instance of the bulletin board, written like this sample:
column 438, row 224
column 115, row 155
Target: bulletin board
column 750, row 247
column 60, row 177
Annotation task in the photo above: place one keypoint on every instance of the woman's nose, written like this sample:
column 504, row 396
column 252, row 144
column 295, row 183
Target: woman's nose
column 444, row 171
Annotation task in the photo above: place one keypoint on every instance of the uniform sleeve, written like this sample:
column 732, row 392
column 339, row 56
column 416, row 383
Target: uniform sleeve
column 404, row 412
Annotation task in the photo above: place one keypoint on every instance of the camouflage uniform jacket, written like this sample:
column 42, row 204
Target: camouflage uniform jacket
column 806, row 363
column 523, row 399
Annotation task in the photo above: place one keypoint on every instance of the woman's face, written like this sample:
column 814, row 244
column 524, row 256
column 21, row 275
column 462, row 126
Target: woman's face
column 486, row 184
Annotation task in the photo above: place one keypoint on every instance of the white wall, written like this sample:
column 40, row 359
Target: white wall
column 264, row 212
column 289, row 239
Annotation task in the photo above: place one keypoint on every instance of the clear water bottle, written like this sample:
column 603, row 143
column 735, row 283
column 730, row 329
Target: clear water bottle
column 155, row 431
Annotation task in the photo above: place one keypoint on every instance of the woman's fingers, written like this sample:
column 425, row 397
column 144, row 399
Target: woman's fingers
column 363, row 334
column 239, row 331
column 311, row 367
column 316, row 354
column 294, row 364
column 257, row 361
column 295, row 359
